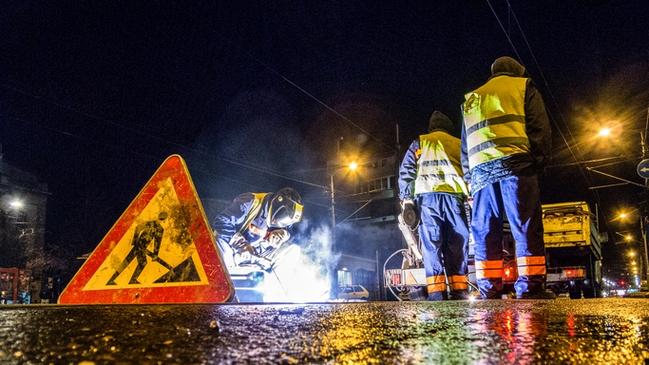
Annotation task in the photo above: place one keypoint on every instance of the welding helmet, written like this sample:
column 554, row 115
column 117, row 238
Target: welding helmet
column 285, row 208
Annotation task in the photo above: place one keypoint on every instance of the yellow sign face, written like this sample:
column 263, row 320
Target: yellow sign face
column 157, row 250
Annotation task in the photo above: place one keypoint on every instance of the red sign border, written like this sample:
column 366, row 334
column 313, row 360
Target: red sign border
column 216, row 291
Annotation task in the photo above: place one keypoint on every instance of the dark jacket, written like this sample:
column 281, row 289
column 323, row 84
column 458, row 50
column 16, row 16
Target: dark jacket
column 408, row 172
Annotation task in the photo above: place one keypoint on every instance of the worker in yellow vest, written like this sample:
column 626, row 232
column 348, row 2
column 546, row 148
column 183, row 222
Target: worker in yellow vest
column 430, row 178
column 505, row 143
column 255, row 223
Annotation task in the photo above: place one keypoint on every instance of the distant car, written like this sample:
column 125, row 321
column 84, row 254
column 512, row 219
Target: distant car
column 353, row 292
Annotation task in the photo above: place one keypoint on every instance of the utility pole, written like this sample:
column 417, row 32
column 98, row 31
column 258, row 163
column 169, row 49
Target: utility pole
column 644, row 219
column 333, row 210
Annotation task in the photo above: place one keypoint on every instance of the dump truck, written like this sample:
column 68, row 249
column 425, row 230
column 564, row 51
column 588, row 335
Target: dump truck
column 573, row 247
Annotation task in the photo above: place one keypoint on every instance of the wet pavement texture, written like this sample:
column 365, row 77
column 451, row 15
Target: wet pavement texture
column 615, row 331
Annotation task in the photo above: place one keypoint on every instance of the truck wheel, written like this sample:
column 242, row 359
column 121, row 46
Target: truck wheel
column 574, row 293
column 574, row 290
column 589, row 292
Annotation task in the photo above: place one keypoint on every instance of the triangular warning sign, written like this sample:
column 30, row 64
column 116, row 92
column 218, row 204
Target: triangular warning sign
column 161, row 250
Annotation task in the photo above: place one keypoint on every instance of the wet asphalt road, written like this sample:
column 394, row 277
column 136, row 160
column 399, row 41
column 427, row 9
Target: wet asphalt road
column 614, row 331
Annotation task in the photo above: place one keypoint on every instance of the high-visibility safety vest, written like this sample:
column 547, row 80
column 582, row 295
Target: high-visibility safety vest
column 494, row 120
column 255, row 208
column 438, row 165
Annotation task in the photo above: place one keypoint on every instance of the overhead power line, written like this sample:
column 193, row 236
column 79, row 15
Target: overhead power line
column 545, row 81
column 95, row 142
column 504, row 30
column 556, row 104
column 160, row 139
column 317, row 100
column 589, row 181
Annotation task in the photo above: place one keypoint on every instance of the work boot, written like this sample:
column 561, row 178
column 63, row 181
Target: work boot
column 436, row 296
column 490, row 294
column 537, row 295
column 486, row 296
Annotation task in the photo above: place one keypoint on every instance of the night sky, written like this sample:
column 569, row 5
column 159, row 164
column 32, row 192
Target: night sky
column 94, row 96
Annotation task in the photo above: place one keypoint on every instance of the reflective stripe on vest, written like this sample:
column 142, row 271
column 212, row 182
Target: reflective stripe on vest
column 494, row 120
column 438, row 166
column 254, row 210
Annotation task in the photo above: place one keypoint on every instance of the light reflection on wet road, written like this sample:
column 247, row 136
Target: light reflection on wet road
column 523, row 332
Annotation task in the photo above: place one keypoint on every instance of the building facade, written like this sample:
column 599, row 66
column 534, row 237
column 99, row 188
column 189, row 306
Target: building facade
column 23, row 203
column 366, row 226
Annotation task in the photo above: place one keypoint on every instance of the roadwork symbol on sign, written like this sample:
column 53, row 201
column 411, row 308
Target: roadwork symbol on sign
column 643, row 169
column 161, row 250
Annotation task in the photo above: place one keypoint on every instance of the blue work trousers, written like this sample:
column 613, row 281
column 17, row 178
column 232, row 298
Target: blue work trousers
column 444, row 234
column 519, row 198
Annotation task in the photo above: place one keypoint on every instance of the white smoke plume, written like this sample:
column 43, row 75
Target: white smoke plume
column 304, row 272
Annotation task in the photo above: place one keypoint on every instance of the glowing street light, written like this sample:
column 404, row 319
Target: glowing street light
column 623, row 215
column 604, row 132
column 16, row 204
column 628, row 238
column 631, row 253
column 352, row 167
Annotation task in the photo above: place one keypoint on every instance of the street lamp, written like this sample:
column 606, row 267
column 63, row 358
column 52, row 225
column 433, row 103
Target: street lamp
column 627, row 237
column 351, row 166
column 604, row 132
column 16, row 204
column 631, row 253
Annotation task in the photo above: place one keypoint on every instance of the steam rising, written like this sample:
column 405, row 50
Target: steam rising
column 304, row 272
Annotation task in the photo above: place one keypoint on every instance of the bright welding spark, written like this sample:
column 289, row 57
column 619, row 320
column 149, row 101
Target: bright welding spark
column 297, row 279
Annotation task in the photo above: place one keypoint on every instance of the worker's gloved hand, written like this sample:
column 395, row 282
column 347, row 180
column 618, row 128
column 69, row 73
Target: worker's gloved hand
column 247, row 248
column 277, row 237
column 409, row 213
column 407, row 203
column 245, row 253
column 240, row 245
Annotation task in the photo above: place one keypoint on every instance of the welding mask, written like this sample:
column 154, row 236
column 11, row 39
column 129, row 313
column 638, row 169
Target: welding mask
column 285, row 208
